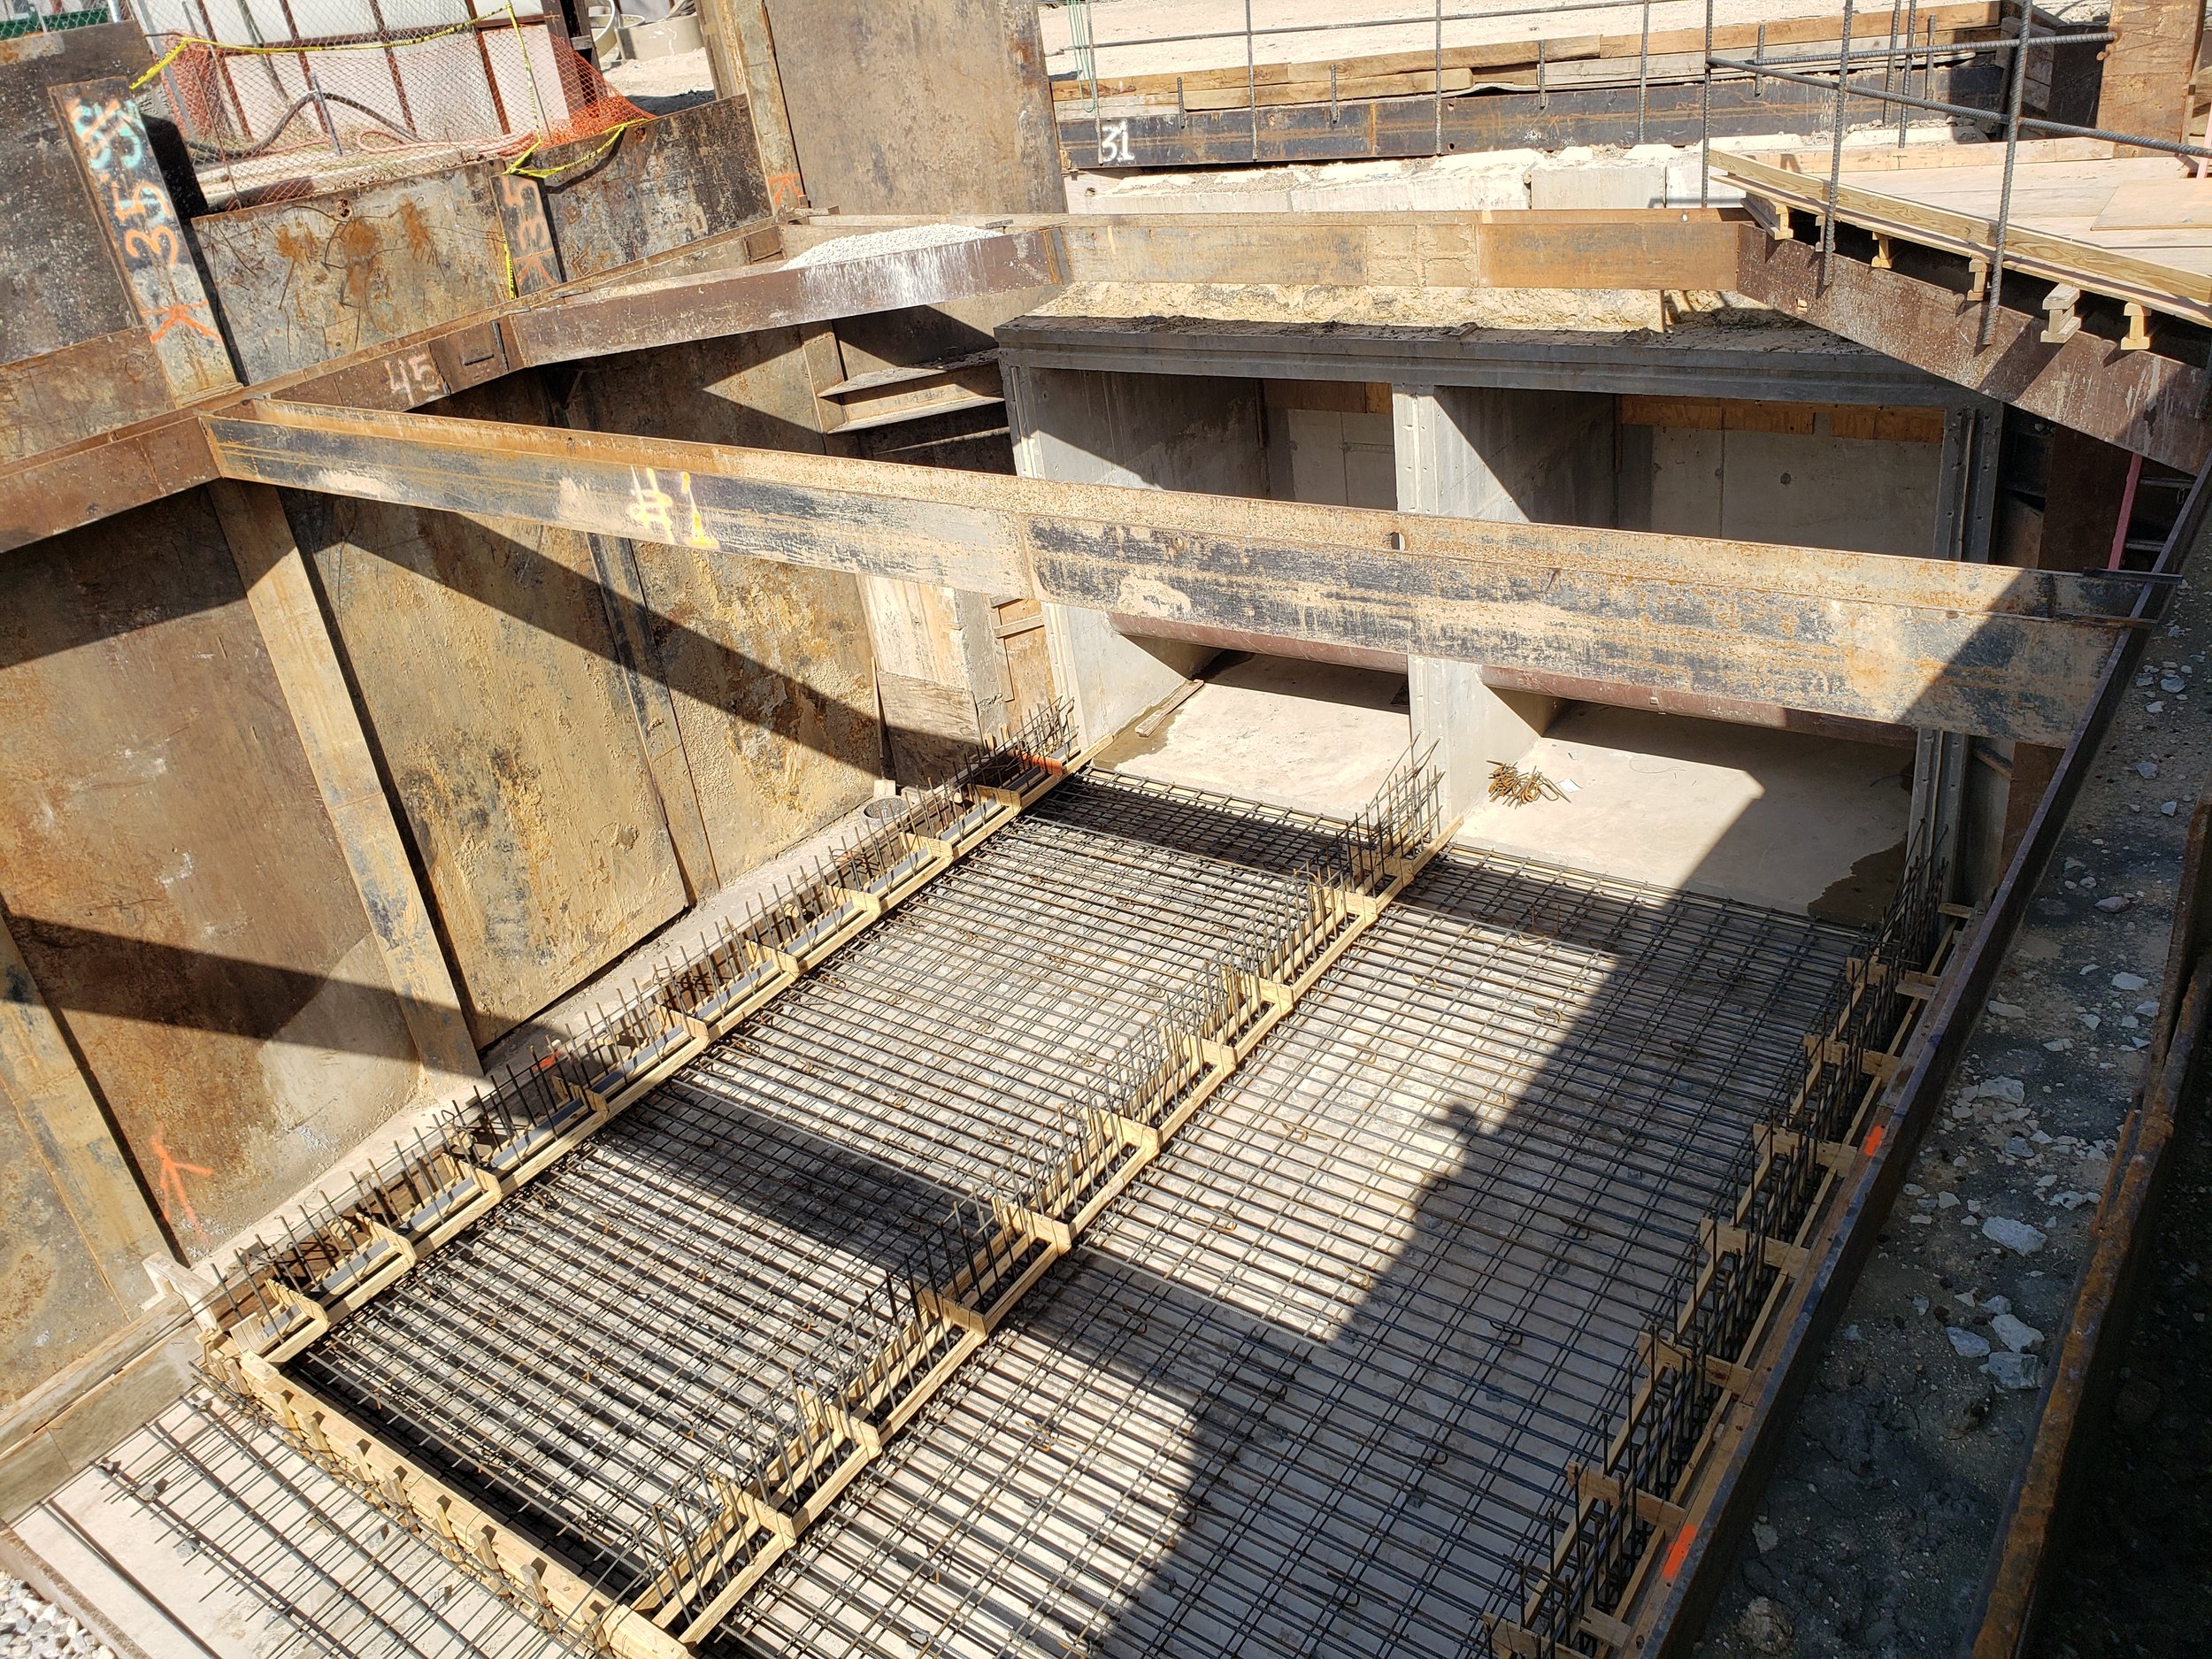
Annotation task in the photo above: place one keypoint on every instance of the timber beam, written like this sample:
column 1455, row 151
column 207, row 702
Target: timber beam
column 2138, row 401
column 1966, row 647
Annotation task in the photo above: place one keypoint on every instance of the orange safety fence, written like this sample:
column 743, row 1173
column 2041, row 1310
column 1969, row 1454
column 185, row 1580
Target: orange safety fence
column 277, row 121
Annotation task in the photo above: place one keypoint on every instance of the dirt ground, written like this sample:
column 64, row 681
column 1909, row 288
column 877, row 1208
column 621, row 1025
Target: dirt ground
column 1876, row 1528
column 2136, row 1573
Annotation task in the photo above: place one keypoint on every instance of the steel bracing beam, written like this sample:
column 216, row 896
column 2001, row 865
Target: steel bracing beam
column 1965, row 648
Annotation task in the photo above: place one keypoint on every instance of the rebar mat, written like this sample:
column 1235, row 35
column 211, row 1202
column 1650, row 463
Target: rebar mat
column 641, row 1310
column 1310, row 1387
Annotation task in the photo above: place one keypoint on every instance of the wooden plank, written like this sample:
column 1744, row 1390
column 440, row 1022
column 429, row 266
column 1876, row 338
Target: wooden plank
column 1885, row 423
column 2158, row 204
column 1968, row 648
column 145, row 235
column 305, row 662
column 2146, row 85
column 1950, row 22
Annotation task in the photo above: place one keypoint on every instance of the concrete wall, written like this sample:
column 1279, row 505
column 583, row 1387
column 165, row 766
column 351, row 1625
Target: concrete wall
column 1524, row 456
column 1869, row 495
column 1141, row 432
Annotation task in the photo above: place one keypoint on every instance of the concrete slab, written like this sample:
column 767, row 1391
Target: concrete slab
column 1769, row 818
column 1314, row 736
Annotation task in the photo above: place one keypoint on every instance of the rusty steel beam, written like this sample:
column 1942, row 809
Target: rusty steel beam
column 127, row 466
column 2137, row 400
column 1732, row 710
column 1567, row 248
column 1923, row 643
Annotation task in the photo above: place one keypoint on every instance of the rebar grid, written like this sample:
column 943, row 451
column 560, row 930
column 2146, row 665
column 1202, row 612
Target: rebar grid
column 336, row 1244
column 960, row 1047
column 1310, row 1386
column 644, row 1325
column 1661, row 1406
column 347, row 1580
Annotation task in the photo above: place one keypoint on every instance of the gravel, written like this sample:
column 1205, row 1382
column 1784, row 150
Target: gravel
column 33, row 1628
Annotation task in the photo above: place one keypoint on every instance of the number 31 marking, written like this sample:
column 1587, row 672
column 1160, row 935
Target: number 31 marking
column 1113, row 145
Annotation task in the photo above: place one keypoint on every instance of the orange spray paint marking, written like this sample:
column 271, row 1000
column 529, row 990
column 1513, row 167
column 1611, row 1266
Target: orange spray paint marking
column 1873, row 1141
column 181, row 315
column 169, row 1187
column 1677, row 1552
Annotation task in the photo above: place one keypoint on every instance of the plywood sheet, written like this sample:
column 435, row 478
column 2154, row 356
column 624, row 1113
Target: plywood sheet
column 481, row 652
column 170, row 876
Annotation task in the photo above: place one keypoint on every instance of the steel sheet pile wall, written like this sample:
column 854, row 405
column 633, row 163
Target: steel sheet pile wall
column 1311, row 1386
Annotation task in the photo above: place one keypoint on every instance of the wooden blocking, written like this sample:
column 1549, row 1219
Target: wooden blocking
column 2138, row 336
column 2063, row 323
column 1721, row 1238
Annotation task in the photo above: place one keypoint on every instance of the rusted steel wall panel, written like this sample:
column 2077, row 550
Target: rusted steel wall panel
column 74, row 392
column 171, row 878
column 769, row 666
column 938, row 106
column 298, row 283
column 488, row 678
column 70, row 291
column 687, row 175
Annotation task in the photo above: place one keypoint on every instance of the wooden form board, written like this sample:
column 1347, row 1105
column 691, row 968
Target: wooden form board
column 1303, row 62
column 1967, row 647
column 2053, row 228
column 1883, row 422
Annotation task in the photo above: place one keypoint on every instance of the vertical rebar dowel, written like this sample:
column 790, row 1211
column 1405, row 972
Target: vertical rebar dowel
column 1904, row 81
column 1643, row 74
column 1543, row 97
column 1705, row 115
column 2012, row 157
column 1835, row 149
column 1251, row 80
column 1438, row 89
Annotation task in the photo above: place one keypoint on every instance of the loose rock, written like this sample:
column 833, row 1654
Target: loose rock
column 2014, row 1332
column 2014, row 1235
column 1967, row 1344
column 2014, row 1371
column 1765, row 1627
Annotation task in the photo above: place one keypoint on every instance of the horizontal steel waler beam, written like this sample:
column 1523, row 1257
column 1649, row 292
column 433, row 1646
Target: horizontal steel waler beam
column 712, row 290
column 1978, row 648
